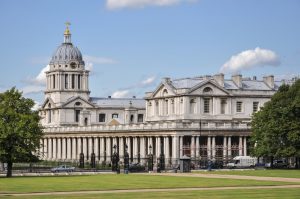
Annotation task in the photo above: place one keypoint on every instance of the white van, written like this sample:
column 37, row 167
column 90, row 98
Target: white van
column 242, row 161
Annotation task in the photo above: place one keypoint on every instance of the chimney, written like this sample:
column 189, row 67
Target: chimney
column 237, row 79
column 269, row 80
column 219, row 78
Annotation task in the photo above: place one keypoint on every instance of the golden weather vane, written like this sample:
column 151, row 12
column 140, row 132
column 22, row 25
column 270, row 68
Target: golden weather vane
column 67, row 31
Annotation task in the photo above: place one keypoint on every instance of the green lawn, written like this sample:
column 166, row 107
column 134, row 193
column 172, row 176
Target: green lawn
column 266, row 173
column 288, row 193
column 113, row 182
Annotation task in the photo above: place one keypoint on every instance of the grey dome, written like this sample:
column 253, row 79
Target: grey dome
column 66, row 53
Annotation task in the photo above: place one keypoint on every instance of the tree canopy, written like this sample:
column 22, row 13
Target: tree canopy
column 276, row 127
column 20, row 131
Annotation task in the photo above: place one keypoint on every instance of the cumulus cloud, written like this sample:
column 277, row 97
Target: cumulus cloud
column 121, row 94
column 36, row 106
column 119, row 4
column 134, row 89
column 41, row 77
column 30, row 89
column 249, row 59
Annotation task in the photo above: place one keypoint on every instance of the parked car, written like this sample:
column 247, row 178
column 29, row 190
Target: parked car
column 279, row 164
column 63, row 168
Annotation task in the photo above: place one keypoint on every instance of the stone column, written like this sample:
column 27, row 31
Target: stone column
column 49, row 148
column 129, row 146
column 193, row 147
column 79, row 148
column 181, row 146
column 69, row 148
column 84, row 147
column 54, row 157
column 245, row 146
column 96, row 148
column 197, row 146
column 213, row 147
column 45, row 154
column 136, row 150
column 73, row 140
column 102, row 149
column 108, row 150
column 224, row 147
column 59, row 148
column 240, row 146
column 121, row 148
column 63, row 148
column 229, row 147
column 142, row 149
column 158, row 147
column 90, row 147
column 175, row 149
column 208, row 147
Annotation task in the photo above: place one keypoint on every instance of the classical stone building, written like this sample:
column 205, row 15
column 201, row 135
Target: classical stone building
column 205, row 117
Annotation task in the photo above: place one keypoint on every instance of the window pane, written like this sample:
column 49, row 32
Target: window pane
column 255, row 106
column 239, row 107
column 101, row 117
column 206, row 105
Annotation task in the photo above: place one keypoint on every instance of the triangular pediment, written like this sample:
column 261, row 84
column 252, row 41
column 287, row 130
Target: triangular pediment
column 77, row 102
column 208, row 87
column 163, row 90
column 48, row 103
column 113, row 122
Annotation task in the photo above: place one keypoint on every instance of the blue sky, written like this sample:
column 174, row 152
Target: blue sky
column 131, row 44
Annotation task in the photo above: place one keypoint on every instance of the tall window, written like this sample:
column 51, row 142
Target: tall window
column 140, row 117
column 181, row 106
column 223, row 106
column 53, row 81
column 206, row 107
column 149, row 109
column 115, row 115
column 78, row 81
column 239, row 106
column 255, row 107
column 166, row 107
column 156, row 108
column 49, row 113
column 66, row 81
column 73, row 81
column 172, row 107
column 131, row 118
column 102, row 117
column 77, row 113
column 192, row 106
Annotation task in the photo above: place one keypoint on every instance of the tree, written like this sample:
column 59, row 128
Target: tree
column 276, row 127
column 20, row 131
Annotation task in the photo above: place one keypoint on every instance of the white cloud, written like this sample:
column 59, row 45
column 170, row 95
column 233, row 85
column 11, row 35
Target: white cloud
column 33, row 89
column 119, row 4
column 148, row 81
column 250, row 59
column 121, row 94
column 41, row 77
column 36, row 106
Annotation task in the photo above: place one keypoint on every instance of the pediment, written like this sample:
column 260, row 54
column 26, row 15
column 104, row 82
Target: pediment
column 77, row 102
column 163, row 90
column 113, row 122
column 48, row 103
column 208, row 87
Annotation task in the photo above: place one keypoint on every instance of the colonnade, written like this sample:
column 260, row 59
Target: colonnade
column 173, row 147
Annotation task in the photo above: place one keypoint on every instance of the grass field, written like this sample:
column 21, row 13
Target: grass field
column 136, row 181
column 113, row 182
column 224, row 194
column 265, row 173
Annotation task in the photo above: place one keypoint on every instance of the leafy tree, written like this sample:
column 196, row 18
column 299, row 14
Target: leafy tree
column 20, row 131
column 276, row 127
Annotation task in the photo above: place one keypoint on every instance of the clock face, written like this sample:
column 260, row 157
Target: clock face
column 73, row 65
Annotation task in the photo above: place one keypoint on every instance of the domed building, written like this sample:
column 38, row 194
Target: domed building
column 204, row 117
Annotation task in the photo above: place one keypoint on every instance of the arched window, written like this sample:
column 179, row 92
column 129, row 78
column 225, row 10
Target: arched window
column 165, row 92
column 66, row 81
column 166, row 107
column 207, row 90
column 172, row 106
column 53, row 81
column 49, row 113
column 156, row 108
column 73, row 81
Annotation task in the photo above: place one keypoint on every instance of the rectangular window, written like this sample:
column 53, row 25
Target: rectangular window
column 206, row 105
column 223, row 106
column 73, row 81
column 102, row 117
column 255, row 107
column 53, row 81
column 77, row 113
column 192, row 106
column 140, row 117
column 66, row 81
column 115, row 115
column 79, row 79
column 239, row 107
column 156, row 108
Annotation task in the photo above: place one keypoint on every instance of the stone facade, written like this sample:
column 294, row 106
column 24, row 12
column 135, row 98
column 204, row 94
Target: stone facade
column 206, row 118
